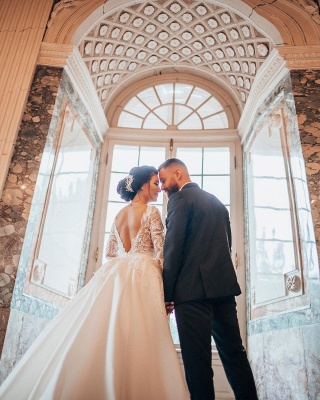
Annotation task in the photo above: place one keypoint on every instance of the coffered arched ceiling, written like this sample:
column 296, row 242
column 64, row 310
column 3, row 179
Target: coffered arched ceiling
column 123, row 41
column 297, row 21
column 151, row 38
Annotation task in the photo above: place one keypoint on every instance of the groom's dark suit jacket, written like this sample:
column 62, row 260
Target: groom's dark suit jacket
column 197, row 260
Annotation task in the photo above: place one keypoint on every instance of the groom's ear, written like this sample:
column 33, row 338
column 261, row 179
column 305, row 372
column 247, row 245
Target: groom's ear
column 178, row 173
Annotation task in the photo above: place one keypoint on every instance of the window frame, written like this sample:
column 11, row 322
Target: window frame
column 153, row 111
column 172, row 140
column 216, row 89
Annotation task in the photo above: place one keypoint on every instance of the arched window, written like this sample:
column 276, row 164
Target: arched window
column 173, row 106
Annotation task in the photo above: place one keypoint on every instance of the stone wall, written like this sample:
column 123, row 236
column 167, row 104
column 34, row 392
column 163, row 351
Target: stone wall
column 23, row 316
column 306, row 91
column 20, row 183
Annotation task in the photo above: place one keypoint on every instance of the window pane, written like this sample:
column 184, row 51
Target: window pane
column 271, row 229
column 127, row 120
column 211, row 106
column 216, row 160
column 192, row 122
column 113, row 208
column 159, row 202
column 65, row 220
column 180, row 113
column 149, row 97
column 174, row 328
column 300, row 194
column 165, row 113
column 219, row 186
column 265, row 189
column 216, row 122
column 197, row 179
column 124, row 158
column 152, row 156
column 165, row 93
column 153, row 122
column 182, row 92
column 260, row 159
column 114, row 179
column 209, row 110
column 192, row 157
column 136, row 107
column 224, row 119
column 281, row 225
column 197, row 97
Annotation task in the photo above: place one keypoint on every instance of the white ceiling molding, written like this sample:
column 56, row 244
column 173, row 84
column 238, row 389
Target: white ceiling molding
column 154, row 135
column 270, row 74
column 238, row 6
column 123, row 41
column 81, row 79
column 260, row 23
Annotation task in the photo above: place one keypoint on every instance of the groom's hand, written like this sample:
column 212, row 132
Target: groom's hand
column 169, row 307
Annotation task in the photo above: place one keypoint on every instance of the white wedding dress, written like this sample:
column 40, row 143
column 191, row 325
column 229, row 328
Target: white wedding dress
column 112, row 341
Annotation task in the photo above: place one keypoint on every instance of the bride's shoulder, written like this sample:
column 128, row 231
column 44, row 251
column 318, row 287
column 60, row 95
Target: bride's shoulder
column 153, row 209
column 154, row 213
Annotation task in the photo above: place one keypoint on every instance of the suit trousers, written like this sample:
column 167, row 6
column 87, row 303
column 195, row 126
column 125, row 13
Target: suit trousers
column 197, row 321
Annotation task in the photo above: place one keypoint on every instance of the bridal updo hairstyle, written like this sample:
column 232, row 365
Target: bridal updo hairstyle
column 129, row 186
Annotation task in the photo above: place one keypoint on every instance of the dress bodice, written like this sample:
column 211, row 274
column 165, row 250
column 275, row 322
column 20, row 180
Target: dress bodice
column 149, row 239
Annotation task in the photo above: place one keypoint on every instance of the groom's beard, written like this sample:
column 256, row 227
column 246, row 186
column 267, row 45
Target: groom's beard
column 173, row 189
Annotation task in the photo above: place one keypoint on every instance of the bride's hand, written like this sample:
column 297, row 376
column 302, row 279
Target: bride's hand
column 169, row 307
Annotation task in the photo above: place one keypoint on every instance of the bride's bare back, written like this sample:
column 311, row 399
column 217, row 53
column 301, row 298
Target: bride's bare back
column 128, row 223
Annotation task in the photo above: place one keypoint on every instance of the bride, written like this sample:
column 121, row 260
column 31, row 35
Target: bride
column 112, row 341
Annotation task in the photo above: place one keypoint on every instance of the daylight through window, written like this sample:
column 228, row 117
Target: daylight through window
column 173, row 106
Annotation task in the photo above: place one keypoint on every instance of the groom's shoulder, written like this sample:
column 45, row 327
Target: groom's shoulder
column 190, row 190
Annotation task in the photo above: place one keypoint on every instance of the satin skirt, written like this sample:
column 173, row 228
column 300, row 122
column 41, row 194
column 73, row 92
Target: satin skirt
column 112, row 341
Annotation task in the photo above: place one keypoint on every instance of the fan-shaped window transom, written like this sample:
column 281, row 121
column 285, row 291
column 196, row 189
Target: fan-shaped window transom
column 173, row 106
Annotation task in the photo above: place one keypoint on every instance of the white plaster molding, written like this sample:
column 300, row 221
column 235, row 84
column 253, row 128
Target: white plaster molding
column 81, row 79
column 261, row 23
column 293, row 283
column 156, row 135
column 54, row 55
column 268, row 76
column 301, row 57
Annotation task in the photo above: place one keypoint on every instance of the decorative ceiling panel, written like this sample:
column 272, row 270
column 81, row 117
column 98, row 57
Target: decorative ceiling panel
column 174, row 34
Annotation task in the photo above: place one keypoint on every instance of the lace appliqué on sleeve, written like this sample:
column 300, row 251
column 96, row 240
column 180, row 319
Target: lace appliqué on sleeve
column 157, row 235
column 112, row 244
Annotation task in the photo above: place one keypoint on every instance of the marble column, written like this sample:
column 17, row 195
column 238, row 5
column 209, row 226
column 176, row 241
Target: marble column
column 20, row 182
column 306, row 91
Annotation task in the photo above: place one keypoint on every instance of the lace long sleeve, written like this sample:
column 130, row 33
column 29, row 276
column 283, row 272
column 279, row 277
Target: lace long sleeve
column 112, row 244
column 157, row 235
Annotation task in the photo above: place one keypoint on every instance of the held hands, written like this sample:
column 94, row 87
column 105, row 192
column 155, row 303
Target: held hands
column 169, row 307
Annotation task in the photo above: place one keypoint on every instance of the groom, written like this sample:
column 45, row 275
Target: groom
column 199, row 278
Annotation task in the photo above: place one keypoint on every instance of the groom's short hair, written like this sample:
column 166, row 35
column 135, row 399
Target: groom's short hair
column 170, row 162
